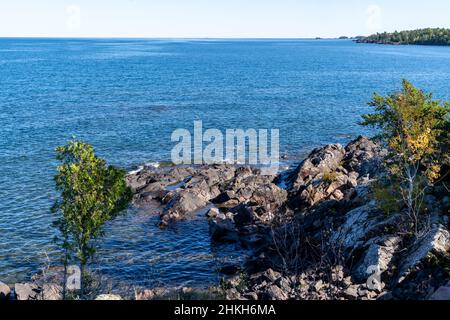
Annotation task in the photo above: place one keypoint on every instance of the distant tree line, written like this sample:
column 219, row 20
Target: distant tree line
column 429, row 36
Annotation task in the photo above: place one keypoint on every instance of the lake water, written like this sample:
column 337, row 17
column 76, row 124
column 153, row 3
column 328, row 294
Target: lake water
column 127, row 96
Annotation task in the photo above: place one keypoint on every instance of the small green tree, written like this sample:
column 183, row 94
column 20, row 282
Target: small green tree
column 413, row 126
column 91, row 194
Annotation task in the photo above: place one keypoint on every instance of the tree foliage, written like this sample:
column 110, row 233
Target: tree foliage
column 429, row 36
column 91, row 194
column 414, row 127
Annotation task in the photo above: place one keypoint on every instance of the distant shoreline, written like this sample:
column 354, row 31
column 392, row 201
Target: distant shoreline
column 421, row 37
column 401, row 44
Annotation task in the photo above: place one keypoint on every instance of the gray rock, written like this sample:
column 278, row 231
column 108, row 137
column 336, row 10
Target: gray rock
column 136, row 181
column 213, row 212
column 306, row 185
column 52, row 291
column 362, row 227
column 319, row 161
column 351, row 292
column 284, row 284
column 271, row 275
column 351, row 234
column 146, row 294
column 337, row 273
column 319, row 285
column 26, row 291
column 4, row 291
column 376, row 258
column 274, row 292
column 184, row 203
column 364, row 156
column 232, row 294
column 359, row 196
column 436, row 241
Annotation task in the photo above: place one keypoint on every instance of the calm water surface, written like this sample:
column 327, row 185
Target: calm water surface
column 127, row 96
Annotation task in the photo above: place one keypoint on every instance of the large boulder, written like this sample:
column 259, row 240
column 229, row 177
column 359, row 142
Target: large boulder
column 364, row 156
column 376, row 258
column 436, row 242
column 316, row 178
column 333, row 172
column 319, row 161
column 182, row 204
column 251, row 196
column 267, row 196
column 152, row 183
column 184, row 198
column 363, row 226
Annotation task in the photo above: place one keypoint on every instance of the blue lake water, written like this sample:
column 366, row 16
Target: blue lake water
column 127, row 96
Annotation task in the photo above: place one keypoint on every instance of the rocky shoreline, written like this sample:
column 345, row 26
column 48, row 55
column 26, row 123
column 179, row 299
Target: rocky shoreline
column 316, row 231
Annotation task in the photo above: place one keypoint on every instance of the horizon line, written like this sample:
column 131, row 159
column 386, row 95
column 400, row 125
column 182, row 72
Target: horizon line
column 182, row 38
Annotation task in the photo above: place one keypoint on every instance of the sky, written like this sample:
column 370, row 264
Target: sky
column 217, row 18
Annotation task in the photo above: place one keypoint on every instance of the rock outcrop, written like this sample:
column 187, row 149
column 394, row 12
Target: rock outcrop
column 315, row 231
column 338, row 243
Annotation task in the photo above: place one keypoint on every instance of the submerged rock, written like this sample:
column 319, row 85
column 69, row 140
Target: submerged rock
column 223, row 231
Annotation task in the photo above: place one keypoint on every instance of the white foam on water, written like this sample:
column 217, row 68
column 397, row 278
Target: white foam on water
column 146, row 165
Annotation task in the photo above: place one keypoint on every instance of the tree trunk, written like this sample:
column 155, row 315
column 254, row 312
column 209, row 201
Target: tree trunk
column 410, row 198
column 65, row 279
column 82, row 267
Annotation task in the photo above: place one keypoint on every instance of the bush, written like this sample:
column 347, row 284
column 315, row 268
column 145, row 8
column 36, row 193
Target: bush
column 330, row 176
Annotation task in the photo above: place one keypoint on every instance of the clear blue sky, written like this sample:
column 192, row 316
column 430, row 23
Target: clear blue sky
column 217, row 18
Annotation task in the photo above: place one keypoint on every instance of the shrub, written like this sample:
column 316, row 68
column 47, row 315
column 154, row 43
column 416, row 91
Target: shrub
column 330, row 176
